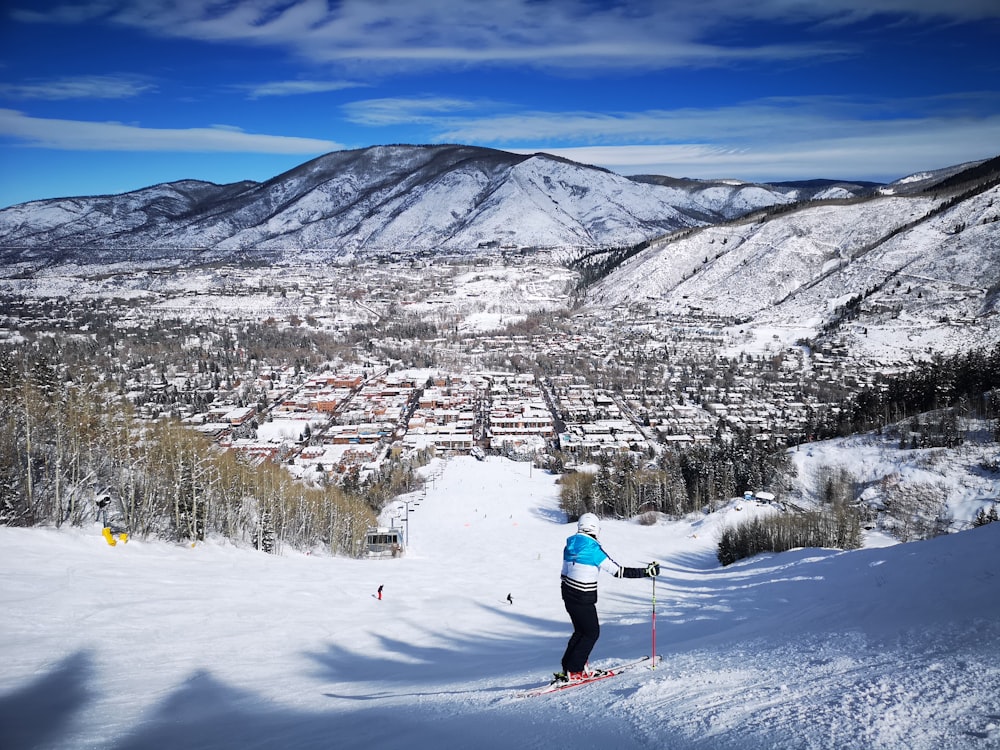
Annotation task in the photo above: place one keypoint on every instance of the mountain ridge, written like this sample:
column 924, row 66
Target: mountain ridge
column 819, row 258
column 878, row 275
column 382, row 199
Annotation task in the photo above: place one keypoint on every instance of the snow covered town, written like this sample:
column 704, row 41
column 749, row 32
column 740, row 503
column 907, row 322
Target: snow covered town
column 582, row 386
column 455, row 357
column 348, row 377
column 323, row 424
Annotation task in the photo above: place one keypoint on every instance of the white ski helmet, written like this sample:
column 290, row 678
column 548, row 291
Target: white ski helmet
column 589, row 524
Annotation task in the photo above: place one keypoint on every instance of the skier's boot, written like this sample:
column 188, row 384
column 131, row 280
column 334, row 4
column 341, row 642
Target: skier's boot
column 587, row 673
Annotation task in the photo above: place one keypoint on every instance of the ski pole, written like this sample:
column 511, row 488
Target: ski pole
column 654, row 623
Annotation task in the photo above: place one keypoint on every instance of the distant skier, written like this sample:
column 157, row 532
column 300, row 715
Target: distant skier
column 380, row 592
column 113, row 530
column 510, row 600
column 583, row 559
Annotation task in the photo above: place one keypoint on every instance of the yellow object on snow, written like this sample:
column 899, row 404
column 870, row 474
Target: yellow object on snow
column 110, row 537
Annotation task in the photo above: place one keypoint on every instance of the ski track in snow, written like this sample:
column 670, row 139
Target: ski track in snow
column 152, row 644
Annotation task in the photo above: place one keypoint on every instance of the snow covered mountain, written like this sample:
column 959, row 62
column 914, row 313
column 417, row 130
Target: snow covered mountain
column 403, row 200
column 890, row 269
column 906, row 270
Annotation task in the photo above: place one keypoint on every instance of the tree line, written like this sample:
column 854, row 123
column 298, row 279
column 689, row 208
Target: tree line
column 968, row 383
column 838, row 527
column 71, row 440
column 598, row 264
column 677, row 481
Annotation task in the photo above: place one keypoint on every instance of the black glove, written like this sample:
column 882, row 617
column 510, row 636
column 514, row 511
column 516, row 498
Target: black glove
column 653, row 570
column 637, row 572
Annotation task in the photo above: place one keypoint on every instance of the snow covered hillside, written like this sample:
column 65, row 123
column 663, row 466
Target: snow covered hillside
column 909, row 492
column 894, row 277
column 157, row 645
column 399, row 200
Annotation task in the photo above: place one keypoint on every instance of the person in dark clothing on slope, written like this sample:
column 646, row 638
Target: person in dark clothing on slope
column 583, row 559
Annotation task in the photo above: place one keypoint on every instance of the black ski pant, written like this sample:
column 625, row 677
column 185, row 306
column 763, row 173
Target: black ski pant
column 586, row 631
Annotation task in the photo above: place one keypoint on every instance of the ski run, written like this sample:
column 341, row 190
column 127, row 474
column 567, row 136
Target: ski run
column 210, row 646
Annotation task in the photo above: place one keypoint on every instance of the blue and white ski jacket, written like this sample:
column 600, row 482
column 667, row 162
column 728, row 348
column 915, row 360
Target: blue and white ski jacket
column 583, row 559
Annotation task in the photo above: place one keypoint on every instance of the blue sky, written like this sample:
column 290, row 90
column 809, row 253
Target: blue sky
column 106, row 96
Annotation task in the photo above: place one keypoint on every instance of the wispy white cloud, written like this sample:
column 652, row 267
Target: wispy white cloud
column 65, row 13
column 114, row 136
column 840, row 11
column 778, row 119
column 296, row 87
column 577, row 56
column 79, row 87
column 558, row 33
column 361, row 40
column 771, row 138
column 762, row 139
column 428, row 110
column 883, row 154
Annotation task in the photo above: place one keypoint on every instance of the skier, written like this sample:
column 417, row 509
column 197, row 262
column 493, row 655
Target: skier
column 113, row 530
column 583, row 559
column 510, row 599
column 380, row 592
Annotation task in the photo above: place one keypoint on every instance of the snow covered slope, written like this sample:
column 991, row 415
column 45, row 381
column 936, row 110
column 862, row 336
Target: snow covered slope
column 157, row 645
column 893, row 275
column 403, row 200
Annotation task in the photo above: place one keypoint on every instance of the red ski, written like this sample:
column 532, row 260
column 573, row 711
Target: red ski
column 614, row 671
